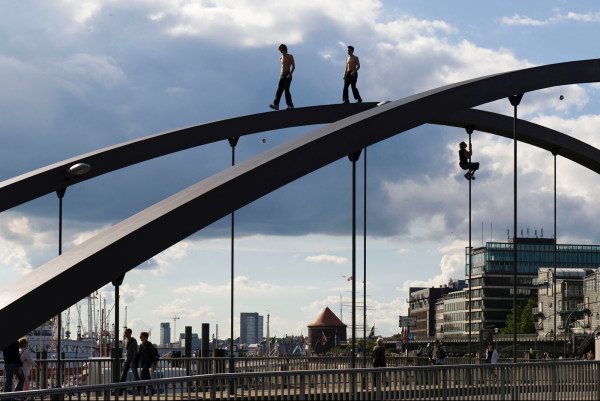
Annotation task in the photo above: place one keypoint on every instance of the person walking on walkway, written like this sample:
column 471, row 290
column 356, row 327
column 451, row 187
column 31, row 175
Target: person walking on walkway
column 147, row 356
column 491, row 355
column 378, row 358
column 437, row 353
column 288, row 65
column 131, row 349
column 27, row 361
column 13, row 368
column 351, row 76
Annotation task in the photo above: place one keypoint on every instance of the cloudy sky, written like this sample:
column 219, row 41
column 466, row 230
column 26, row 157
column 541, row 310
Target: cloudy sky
column 79, row 75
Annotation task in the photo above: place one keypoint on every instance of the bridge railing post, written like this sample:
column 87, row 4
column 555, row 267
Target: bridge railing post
column 302, row 395
column 597, row 382
column 554, row 381
column 444, row 379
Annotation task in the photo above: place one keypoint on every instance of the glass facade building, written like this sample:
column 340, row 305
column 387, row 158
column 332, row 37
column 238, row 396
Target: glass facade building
column 532, row 253
column 492, row 277
column 251, row 328
column 165, row 333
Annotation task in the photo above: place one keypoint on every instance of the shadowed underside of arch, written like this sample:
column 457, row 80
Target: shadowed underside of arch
column 118, row 249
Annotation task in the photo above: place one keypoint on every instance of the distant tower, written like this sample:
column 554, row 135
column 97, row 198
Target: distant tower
column 165, row 333
column 251, row 328
column 326, row 332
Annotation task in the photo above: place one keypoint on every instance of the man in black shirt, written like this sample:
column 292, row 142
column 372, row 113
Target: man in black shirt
column 378, row 358
column 131, row 356
column 12, row 367
column 147, row 356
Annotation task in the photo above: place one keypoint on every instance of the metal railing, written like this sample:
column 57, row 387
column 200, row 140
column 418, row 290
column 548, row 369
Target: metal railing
column 545, row 380
column 79, row 372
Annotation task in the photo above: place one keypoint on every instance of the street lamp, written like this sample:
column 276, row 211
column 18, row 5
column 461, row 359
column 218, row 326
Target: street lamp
column 74, row 171
column 78, row 169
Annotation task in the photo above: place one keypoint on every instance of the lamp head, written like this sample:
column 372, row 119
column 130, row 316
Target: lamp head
column 78, row 169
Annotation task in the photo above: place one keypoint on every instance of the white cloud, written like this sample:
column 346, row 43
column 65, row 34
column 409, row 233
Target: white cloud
column 131, row 294
column 242, row 283
column 24, row 240
column 517, row 19
column 101, row 70
column 235, row 22
column 588, row 17
column 452, row 266
column 252, row 23
column 326, row 259
column 82, row 10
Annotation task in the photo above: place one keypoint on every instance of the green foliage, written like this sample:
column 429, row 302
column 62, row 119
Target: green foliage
column 336, row 351
column 525, row 323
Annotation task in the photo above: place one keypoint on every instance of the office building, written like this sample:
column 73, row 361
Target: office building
column 492, row 284
column 165, row 333
column 251, row 328
column 422, row 305
column 455, row 314
column 570, row 310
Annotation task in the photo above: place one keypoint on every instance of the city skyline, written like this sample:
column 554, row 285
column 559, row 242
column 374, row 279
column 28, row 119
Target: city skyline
column 97, row 73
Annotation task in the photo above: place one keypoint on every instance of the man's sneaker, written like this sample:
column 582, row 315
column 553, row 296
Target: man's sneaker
column 359, row 101
column 468, row 176
column 345, row 102
column 290, row 107
column 274, row 106
column 473, row 177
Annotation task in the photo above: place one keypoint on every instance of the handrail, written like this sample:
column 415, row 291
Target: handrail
column 546, row 380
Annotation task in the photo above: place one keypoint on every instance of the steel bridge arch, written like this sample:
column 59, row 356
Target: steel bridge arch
column 154, row 229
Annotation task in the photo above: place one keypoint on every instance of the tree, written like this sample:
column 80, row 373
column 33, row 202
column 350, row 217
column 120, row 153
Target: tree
column 525, row 324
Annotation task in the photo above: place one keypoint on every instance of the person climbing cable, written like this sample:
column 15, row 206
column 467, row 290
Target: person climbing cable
column 464, row 156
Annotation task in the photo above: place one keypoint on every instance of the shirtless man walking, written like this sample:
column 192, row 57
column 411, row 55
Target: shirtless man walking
column 285, row 78
column 351, row 76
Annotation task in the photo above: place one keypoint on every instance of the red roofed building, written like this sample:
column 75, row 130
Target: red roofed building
column 326, row 332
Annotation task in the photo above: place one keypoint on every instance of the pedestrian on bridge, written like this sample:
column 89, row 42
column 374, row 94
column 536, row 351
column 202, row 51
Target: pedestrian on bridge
column 26, row 360
column 378, row 358
column 131, row 349
column 437, row 353
column 288, row 65
column 351, row 76
column 147, row 356
column 491, row 355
